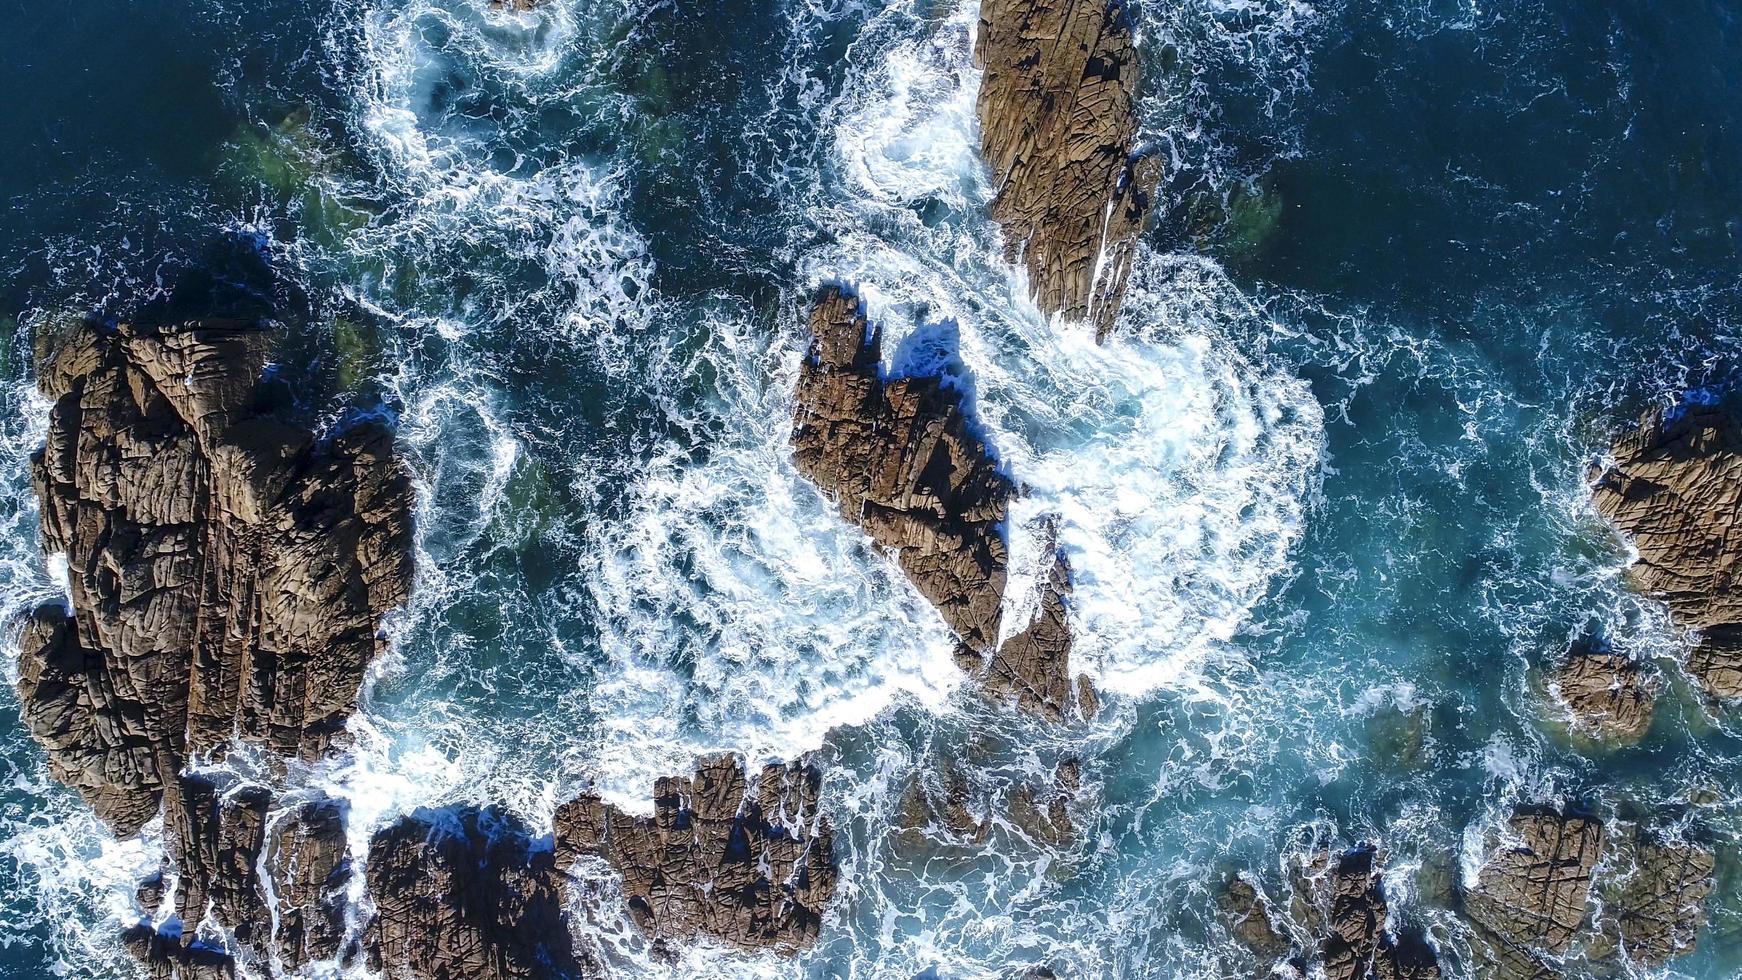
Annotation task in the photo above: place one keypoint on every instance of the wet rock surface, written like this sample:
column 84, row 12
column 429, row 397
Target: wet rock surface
column 467, row 893
column 1675, row 489
column 1530, row 897
column 1610, row 694
column 901, row 460
column 1654, row 903
column 744, row 860
column 228, row 573
column 1058, row 128
column 1340, row 898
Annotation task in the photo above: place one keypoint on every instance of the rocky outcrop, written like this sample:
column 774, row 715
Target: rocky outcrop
column 1610, row 694
column 901, row 459
column 1675, row 489
column 746, row 861
column 1341, row 899
column 466, row 893
column 1529, row 901
column 1246, row 913
column 1058, row 128
column 227, row 574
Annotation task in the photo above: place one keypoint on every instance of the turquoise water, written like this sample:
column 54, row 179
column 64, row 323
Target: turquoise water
column 1324, row 497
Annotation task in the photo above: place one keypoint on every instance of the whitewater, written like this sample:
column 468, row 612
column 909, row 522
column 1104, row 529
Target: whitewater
column 1311, row 535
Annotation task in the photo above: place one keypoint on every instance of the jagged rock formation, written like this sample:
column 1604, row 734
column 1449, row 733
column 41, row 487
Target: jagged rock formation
column 1610, row 694
column 747, row 862
column 1058, row 128
column 1337, row 902
column 1675, row 489
column 1246, row 913
column 1655, row 903
column 1341, row 899
column 463, row 894
column 227, row 574
column 901, row 460
column 1530, row 897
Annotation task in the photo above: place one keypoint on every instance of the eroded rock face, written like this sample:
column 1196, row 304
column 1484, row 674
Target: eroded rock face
column 1032, row 669
column 1341, row 897
column 1058, row 128
column 901, row 460
column 1530, row 896
column 1675, row 489
column 466, row 893
column 1610, row 694
column 744, row 861
column 228, row 574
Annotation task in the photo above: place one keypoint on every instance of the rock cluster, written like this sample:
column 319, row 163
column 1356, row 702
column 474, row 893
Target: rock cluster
column 1610, row 694
column 1675, row 489
column 464, row 893
column 1337, row 901
column 1656, row 906
column 1058, row 128
column 227, row 575
column 745, row 861
column 901, row 459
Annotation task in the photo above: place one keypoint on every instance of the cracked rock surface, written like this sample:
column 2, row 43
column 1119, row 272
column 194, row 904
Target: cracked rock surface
column 1610, row 694
column 467, row 893
column 1675, row 490
column 901, row 460
column 228, row 573
column 744, row 860
column 1530, row 897
column 1058, row 128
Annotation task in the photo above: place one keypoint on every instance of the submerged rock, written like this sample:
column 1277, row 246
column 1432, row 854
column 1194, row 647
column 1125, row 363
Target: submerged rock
column 466, row 893
column 1610, row 694
column 227, row 574
column 1246, row 913
column 747, row 861
column 1676, row 490
column 1654, row 904
column 901, row 459
column 1058, row 128
column 1530, row 897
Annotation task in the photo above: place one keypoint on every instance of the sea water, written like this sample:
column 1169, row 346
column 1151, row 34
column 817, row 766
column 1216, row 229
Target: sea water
column 1324, row 494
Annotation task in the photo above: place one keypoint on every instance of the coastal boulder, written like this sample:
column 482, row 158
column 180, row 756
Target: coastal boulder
column 1530, row 897
column 902, row 460
column 744, row 860
column 1610, row 694
column 1058, row 129
column 464, row 893
column 1675, row 489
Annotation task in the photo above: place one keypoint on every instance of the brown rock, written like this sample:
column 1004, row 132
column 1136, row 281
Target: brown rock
column 309, row 861
column 1032, row 668
column 228, row 575
column 1043, row 812
column 1655, row 908
column 745, row 861
column 1530, row 895
column 901, row 461
column 1058, row 128
column 467, row 893
column 1245, row 913
column 1675, row 489
column 1341, row 897
column 1610, row 694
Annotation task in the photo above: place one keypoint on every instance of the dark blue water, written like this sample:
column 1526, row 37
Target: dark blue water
column 1417, row 264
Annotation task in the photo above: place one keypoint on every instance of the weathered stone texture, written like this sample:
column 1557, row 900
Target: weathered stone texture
column 744, row 861
column 1676, row 490
column 1530, row 897
column 1610, row 694
column 1058, row 128
column 901, row 460
column 466, row 895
